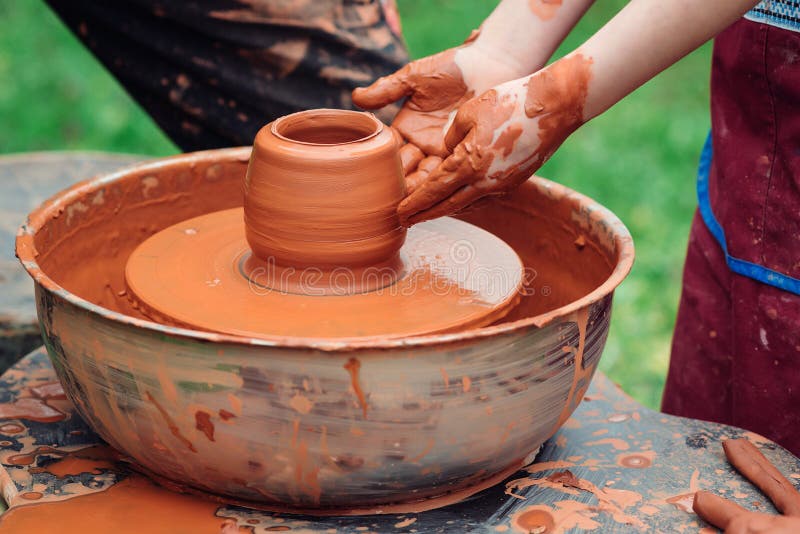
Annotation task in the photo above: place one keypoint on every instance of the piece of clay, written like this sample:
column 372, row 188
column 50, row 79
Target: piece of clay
column 751, row 463
column 716, row 510
column 322, row 255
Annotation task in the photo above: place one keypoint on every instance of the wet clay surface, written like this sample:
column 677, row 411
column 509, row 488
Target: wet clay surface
column 316, row 252
column 322, row 189
column 59, row 473
column 86, row 246
column 196, row 274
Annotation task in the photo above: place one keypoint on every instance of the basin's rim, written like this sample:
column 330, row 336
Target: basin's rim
column 27, row 253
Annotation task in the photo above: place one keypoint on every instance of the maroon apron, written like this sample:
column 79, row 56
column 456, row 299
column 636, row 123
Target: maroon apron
column 736, row 348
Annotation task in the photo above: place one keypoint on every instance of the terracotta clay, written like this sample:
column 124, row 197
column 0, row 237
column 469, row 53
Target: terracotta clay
column 135, row 501
column 324, row 256
column 321, row 191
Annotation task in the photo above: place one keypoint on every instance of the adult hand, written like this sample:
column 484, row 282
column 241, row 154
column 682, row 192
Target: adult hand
column 498, row 139
column 734, row 519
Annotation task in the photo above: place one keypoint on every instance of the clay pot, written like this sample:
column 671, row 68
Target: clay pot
column 322, row 190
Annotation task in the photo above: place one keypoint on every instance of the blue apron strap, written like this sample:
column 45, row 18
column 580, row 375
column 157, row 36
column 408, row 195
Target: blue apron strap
column 738, row 266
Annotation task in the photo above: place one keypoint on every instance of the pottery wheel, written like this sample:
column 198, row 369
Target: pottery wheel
column 200, row 274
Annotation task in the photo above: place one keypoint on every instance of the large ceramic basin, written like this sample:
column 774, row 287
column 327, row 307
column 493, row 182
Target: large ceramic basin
column 318, row 424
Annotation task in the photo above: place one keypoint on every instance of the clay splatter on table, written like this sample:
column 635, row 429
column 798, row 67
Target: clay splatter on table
column 60, row 473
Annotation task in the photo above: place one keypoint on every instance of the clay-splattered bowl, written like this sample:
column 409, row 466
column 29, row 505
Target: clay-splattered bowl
column 288, row 422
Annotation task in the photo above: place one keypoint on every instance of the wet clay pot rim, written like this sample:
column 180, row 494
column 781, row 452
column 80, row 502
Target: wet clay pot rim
column 54, row 206
column 279, row 126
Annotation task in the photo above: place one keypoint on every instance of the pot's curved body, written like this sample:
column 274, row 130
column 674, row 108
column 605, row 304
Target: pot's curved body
column 322, row 190
column 318, row 423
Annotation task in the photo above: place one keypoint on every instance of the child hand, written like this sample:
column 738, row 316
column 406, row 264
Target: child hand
column 500, row 138
column 435, row 86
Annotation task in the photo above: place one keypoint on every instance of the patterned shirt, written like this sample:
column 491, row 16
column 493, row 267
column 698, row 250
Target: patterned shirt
column 781, row 13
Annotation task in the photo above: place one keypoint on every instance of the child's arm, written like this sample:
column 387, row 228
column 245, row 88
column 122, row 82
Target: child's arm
column 648, row 36
column 500, row 138
column 516, row 39
column 527, row 32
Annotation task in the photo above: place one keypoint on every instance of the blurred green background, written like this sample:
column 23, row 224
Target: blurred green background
column 638, row 159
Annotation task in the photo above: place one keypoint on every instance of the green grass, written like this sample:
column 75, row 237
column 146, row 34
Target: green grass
column 54, row 95
column 638, row 159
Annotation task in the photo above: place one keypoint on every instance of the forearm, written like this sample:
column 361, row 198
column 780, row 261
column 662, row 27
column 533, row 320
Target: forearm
column 646, row 37
column 523, row 35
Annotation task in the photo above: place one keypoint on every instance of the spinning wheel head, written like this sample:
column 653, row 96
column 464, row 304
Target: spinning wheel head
column 201, row 274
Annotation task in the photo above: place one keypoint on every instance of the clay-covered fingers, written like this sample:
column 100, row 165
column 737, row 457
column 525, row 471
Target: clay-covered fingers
column 456, row 202
column 410, row 157
column 426, row 196
column 460, row 126
column 420, row 175
column 716, row 510
column 753, row 465
column 451, row 175
column 438, row 186
column 423, row 129
column 431, row 83
column 383, row 91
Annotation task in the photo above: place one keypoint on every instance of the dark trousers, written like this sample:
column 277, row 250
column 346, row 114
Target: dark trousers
column 212, row 72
